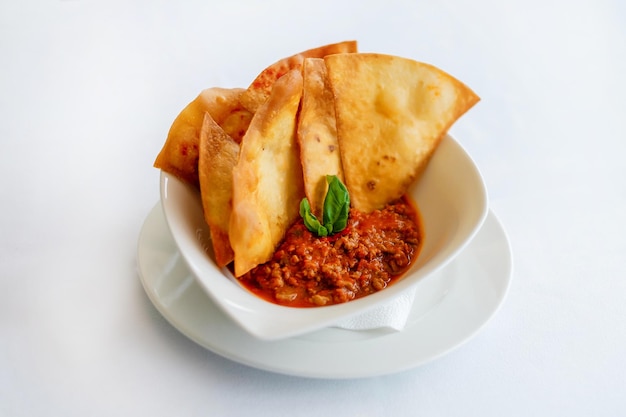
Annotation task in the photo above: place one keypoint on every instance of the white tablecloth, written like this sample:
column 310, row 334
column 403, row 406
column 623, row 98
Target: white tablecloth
column 88, row 90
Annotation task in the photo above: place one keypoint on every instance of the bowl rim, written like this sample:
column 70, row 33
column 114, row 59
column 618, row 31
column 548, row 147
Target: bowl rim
column 251, row 312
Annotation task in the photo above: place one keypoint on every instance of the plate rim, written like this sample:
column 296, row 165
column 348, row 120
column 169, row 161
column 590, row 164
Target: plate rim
column 156, row 215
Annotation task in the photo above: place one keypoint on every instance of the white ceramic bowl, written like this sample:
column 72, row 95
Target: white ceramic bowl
column 452, row 200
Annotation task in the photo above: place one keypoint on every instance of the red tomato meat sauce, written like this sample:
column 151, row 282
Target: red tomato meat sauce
column 367, row 256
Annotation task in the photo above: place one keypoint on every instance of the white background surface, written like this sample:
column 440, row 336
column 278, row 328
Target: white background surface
column 88, row 90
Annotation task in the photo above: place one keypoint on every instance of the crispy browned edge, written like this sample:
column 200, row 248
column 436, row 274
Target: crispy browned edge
column 259, row 90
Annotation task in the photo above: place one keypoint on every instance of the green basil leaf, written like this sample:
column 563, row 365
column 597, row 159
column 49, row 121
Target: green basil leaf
column 336, row 205
column 310, row 221
column 335, row 211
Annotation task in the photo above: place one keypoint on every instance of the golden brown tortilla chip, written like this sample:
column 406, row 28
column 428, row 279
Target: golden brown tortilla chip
column 267, row 180
column 317, row 133
column 218, row 156
column 391, row 114
column 236, row 123
column 260, row 89
column 179, row 155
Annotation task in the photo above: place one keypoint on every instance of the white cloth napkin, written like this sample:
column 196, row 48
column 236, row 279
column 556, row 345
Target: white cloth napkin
column 392, row 315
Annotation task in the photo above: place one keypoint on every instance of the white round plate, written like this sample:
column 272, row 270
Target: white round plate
column 447, row 312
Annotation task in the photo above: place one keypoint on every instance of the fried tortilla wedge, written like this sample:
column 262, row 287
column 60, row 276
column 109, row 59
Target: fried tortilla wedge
column 267, row 180
column 179, row 155
column 392, row 112
column 261, row 87
column 218, row 156
column 317, row 133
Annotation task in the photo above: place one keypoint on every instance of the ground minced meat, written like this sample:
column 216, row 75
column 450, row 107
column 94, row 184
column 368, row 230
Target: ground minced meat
column 367, row 256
